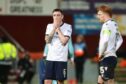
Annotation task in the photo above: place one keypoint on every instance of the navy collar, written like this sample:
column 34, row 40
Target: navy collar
column 62, row 24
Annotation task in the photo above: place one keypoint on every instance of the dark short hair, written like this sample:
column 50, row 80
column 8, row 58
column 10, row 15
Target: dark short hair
column 105, row 9
column 58, row 10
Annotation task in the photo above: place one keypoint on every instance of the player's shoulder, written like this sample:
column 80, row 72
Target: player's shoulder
column 49, row 24
column 111, row 23
column 66, row 24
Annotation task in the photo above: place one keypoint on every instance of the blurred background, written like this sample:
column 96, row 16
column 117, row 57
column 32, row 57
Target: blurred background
column 22, row 30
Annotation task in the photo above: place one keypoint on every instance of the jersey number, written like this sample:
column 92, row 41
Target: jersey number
column 103, row 69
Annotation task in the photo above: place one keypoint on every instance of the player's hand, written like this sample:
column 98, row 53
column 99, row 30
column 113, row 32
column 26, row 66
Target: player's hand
column 57, row 29
column 56, row 25
column 100, row 57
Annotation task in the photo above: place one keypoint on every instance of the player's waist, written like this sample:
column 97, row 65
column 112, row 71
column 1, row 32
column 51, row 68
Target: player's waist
column 109, row 53
column 55, row 59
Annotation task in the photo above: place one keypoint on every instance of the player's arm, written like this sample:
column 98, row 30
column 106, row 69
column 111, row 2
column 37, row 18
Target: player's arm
column 104, row 42
column 119, row 41
column 48, row 37
column 64, row 39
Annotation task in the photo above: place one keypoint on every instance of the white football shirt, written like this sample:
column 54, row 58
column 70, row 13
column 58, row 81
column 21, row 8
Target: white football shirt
column 110, row 39
column 56, row 51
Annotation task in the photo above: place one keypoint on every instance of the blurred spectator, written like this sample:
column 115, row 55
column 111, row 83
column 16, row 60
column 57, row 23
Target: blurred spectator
column 80, row 57
column 8, row 54
column 26, row 67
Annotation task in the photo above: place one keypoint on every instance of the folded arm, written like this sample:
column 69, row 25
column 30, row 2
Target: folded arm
column 48, row 37
column 64, row 39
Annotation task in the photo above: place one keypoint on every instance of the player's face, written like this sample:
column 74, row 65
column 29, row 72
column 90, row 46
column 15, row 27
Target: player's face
column 57, row 16
column 100, row 16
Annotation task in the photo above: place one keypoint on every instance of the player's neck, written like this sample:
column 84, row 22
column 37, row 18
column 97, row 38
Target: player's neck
column 107, row 19
column 61, row 23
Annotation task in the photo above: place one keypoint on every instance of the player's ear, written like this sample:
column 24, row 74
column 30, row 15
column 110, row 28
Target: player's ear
column 62, row 17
